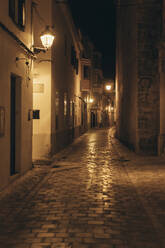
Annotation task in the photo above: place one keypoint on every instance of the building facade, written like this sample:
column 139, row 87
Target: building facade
column 97, row 89
column 92, row 83
column 140, row 92
column 45, row 94
column 56, row 84
column 86, row 72
column 108, row 103
column 16, row 63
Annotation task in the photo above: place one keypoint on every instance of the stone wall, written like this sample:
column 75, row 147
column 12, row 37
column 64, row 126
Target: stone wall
column 126, row 75
column 148, row 35
column 139, row 101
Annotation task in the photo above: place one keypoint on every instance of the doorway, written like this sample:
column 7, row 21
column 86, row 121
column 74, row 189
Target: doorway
column 73, row 119
column 93, row 120
column 15, row 124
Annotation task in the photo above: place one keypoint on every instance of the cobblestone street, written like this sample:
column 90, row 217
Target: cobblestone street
column 97, row 194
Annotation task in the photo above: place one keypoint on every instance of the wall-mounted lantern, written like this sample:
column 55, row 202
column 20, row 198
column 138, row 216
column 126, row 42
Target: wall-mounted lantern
column 47, row 37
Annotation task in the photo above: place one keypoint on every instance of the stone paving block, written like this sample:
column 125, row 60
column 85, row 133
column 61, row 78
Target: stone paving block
column 27, row 235
column 43, row 245
column 53, row 240
column 62, row 235
column 36, row 240
column 39, row 230
column 44, row 235
column 89, row 240
column 83, row 235
column 102, row 235
column 20, row 246
column 95, row 222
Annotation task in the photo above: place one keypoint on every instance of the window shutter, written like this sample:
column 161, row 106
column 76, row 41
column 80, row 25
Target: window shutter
column 12, row 9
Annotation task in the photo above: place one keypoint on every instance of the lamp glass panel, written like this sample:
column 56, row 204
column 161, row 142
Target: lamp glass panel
column 47, row 40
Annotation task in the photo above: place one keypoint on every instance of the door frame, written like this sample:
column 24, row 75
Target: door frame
column 15, row 123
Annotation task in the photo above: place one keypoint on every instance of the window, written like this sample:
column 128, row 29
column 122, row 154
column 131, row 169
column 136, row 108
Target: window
column 74, row 61
column 65, row 45
column 71, row 110
column 77, row 66
column 65, row 104
column 95, row 77
column 17, row 12
column 72, row 56
column 86, row 72
column 82, row 114
column 57, row 101
column 71, row 116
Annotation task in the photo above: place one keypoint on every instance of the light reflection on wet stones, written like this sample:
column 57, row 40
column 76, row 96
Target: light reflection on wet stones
column 94, row 205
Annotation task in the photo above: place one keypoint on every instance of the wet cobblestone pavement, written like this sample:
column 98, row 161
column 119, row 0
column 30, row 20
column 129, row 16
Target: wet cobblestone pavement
column 91, row 197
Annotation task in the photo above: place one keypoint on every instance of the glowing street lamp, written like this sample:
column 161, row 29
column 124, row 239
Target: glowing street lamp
column 47, row 38
column 108, row 87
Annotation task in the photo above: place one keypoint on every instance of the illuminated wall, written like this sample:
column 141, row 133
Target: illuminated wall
column 56, row 82
column 21, row 72
column 66, row 76
column 42, row 85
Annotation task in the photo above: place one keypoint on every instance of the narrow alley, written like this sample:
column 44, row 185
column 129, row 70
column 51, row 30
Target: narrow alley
column 93, row 195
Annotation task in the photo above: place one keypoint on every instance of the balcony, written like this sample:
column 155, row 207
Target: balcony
column 85, row 61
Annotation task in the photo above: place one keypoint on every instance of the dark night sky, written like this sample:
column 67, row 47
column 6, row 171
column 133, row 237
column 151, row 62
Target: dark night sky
column 96, row 18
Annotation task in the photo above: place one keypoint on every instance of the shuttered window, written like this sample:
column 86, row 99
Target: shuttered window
column 17, row 12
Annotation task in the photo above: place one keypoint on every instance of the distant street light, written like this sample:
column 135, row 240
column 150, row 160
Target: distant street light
column 108, row 87
column 91, row 100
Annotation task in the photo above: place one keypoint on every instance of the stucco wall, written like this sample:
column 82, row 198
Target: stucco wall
column 64, row 79
column 42, row 102
column 9, row 50
column 55, row 71
column 42, row 85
